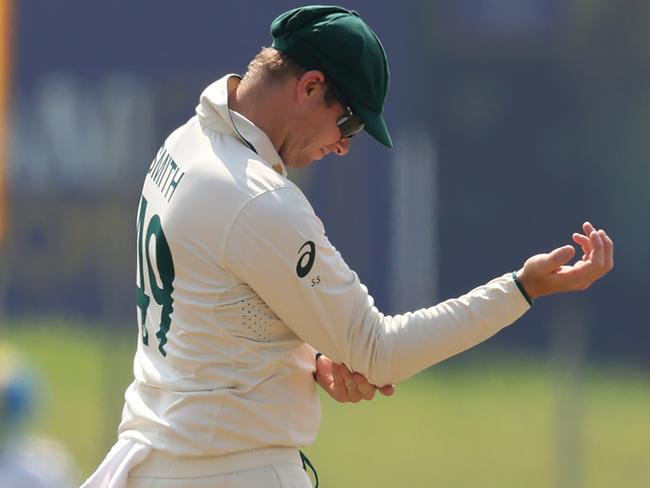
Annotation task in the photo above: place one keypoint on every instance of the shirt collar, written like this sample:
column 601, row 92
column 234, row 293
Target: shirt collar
column 214, row 115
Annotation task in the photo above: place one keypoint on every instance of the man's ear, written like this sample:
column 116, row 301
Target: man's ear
column 309, row 83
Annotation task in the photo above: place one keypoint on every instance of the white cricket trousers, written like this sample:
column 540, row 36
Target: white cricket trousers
column 130, row 464
column 264, row 468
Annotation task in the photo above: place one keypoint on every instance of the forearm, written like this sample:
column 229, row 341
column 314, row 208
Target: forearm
column 389, row 349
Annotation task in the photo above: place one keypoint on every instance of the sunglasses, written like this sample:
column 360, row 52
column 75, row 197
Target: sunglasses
column 350, row 124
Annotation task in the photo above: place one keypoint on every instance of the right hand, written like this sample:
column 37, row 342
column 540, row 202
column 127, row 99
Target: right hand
column 546, row 274
column 343, row 385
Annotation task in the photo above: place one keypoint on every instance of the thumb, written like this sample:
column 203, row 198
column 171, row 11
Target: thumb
column 560, row 256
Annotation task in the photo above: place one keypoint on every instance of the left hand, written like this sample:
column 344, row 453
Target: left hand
column 343, row 385
column 545, row 274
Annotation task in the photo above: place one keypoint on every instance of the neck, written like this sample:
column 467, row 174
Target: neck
column 261, row 104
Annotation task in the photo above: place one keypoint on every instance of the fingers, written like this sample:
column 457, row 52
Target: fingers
column 354, row 387
column 560, row 256
column 357, row 386
column 337, row 387
column 598, row 255
column 345, row 386
column 609, row 250
column 597, row 261
column 342, row 375
column 602, row 258
column 352, row 393
column 584, row 242
column 366, row 390
column 581, row 240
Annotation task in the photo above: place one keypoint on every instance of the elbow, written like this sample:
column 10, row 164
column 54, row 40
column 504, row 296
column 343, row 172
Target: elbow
column 376, row 357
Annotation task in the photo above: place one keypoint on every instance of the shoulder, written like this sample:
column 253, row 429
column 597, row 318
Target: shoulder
column 278, row 216
column 279, row 206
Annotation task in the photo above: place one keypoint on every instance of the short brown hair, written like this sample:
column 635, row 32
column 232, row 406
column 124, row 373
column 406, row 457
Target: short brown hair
column 271, row 65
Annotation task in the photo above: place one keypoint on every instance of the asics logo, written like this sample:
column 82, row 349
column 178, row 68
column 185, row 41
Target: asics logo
column 306, row 259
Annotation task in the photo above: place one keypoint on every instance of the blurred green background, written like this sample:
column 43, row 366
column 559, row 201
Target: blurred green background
column 490, row 419
column 513, row 120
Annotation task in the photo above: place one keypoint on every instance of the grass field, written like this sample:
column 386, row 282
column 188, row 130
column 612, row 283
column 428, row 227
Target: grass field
column 475, row 421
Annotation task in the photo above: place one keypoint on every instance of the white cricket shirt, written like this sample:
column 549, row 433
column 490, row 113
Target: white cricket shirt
column 236, row 276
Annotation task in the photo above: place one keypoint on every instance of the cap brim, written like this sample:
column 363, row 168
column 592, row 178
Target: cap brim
column 375, row 125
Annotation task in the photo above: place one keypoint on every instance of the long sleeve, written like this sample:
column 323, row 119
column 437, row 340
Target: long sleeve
column 278, row 246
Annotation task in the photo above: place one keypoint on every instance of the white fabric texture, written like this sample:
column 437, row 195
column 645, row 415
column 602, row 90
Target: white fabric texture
column 120, row 460
column 273, row 476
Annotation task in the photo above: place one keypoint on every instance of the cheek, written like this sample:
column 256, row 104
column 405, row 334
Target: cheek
column 321, row 131
column 333, row 133
column 328, row 133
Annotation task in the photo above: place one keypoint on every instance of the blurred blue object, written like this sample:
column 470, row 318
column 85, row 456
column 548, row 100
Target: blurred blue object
column 18, row 399
column 17, row 394
column 27, row 460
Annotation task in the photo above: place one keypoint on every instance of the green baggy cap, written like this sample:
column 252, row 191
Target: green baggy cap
column 339, row 43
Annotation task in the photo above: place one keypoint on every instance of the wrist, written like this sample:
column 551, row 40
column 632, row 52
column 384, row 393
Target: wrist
column 521, row 282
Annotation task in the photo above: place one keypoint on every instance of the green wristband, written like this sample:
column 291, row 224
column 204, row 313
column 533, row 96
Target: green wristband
column 521, row 288
column 318, row 354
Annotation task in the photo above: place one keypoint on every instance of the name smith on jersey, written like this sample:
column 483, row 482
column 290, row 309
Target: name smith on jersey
column 165, row 173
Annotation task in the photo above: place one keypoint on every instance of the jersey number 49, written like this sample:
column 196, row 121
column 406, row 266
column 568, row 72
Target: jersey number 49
column 164, row 270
